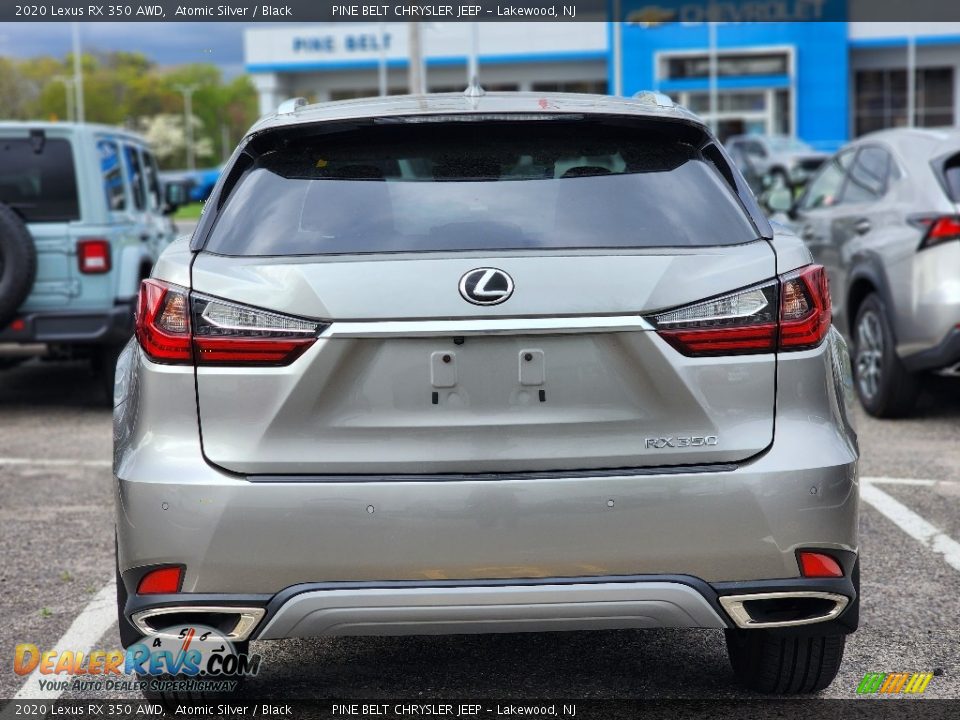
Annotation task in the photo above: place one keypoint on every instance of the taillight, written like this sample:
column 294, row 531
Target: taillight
column 791, row 312
column 163, row 322
column 174, row 328
column 804, row 308
column 225, row 333
column 93, row 256
column 937, row 229
column 739, row 323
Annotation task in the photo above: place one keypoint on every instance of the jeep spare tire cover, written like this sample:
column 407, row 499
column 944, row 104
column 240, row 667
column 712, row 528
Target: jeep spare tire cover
column 18, row 264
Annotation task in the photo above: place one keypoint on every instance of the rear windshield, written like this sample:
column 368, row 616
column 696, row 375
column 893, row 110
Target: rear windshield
column 37, row 179
column 504, row 185
column 951, row 177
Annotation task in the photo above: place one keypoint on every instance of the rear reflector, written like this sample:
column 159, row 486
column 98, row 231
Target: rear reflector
column 93, row 256
column 815, row 564
column 161, row 581
column 791, row 312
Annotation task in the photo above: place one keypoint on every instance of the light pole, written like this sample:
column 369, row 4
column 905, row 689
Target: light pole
column 712, row 31
column 473, row 62
column 617, row 49
column 78, row 72
column 382, row 61
column 911, row 79
column 68, row 88
column 415, row 73
column 187, row 92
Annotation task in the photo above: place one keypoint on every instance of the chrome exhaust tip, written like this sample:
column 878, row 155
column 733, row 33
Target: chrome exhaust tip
column 783, row 609
column 236, row 623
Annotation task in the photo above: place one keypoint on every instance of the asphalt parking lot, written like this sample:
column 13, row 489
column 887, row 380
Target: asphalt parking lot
column 56, row 528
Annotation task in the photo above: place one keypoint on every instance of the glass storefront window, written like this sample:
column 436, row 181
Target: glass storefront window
column 880, row 99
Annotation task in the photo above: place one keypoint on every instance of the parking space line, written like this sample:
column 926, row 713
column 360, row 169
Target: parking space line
column 97, row 618
column 901, row 481
column 912, row 524
column 58, row 462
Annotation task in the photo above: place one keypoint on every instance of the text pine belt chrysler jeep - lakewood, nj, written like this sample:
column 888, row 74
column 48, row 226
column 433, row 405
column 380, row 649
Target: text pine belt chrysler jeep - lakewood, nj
column 489, row 363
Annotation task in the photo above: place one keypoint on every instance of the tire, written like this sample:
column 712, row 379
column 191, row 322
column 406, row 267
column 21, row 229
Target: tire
column 781, row 665
column 18, row 264
column 885, row 388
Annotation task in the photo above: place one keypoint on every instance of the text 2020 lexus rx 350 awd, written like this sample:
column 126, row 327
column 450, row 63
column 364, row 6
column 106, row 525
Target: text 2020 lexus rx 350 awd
column 450, row 364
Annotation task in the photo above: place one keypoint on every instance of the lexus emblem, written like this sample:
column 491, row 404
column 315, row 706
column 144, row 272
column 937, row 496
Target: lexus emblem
column 486, row 286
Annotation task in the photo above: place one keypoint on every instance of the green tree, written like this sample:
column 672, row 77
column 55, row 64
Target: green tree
column 129, row 89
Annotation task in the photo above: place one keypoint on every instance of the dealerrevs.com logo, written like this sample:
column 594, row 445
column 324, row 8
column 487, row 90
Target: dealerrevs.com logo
column 895, row 683
column 193, row 658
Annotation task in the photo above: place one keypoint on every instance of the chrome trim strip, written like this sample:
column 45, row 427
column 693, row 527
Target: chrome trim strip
column 248, row 618
column 733, row 604
column 487, row 326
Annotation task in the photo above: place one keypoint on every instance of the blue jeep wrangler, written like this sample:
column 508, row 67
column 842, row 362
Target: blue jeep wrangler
column 83, row 217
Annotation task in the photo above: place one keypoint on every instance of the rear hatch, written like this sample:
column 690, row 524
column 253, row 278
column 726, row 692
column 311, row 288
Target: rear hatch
column 374, row 231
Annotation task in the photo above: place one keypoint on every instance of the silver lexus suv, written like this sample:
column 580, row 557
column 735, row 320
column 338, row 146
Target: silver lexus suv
column 883, row 217
column 489, row 363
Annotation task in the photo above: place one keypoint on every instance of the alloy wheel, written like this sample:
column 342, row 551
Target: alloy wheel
column 869, row 358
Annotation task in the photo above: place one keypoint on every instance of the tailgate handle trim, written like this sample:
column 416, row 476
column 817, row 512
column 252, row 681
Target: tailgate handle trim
column 488, row 326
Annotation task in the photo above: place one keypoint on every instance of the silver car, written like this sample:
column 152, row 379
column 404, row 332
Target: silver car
column 882, row 217
column 497, row 363
column 782, row 160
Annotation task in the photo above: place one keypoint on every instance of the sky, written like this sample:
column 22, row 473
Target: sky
column 165, row 43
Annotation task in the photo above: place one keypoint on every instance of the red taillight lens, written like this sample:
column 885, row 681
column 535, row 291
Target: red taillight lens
column 93, row 256
column 939, row 229
column 791, row 312
column 225, row 333
column 163, row 322
column 804, row 308
column 739, row 323
column 174, row 329
column 161, row 581
column 238, row 351
column 816, row 564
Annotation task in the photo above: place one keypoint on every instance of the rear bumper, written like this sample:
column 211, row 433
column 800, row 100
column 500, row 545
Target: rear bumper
column 731, row 529
column 460, row 607
column 113, row 325
column 944, row 356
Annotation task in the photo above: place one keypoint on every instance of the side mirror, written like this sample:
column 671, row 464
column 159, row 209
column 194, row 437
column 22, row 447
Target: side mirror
column 780, row 200
column 175, row 194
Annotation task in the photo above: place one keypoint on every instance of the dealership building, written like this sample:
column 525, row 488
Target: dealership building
column 825, row 82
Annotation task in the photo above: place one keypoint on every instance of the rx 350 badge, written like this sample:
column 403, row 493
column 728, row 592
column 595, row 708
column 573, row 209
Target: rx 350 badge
column 681, row 441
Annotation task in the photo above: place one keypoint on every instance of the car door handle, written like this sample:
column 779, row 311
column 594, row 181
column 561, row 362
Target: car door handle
column 807, row 233
column 862, row 226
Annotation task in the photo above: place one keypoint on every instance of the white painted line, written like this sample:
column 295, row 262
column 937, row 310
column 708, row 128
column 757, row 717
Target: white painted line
column 55, row 462
column 912, row 524
column 97, row 617
column 900, row 481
